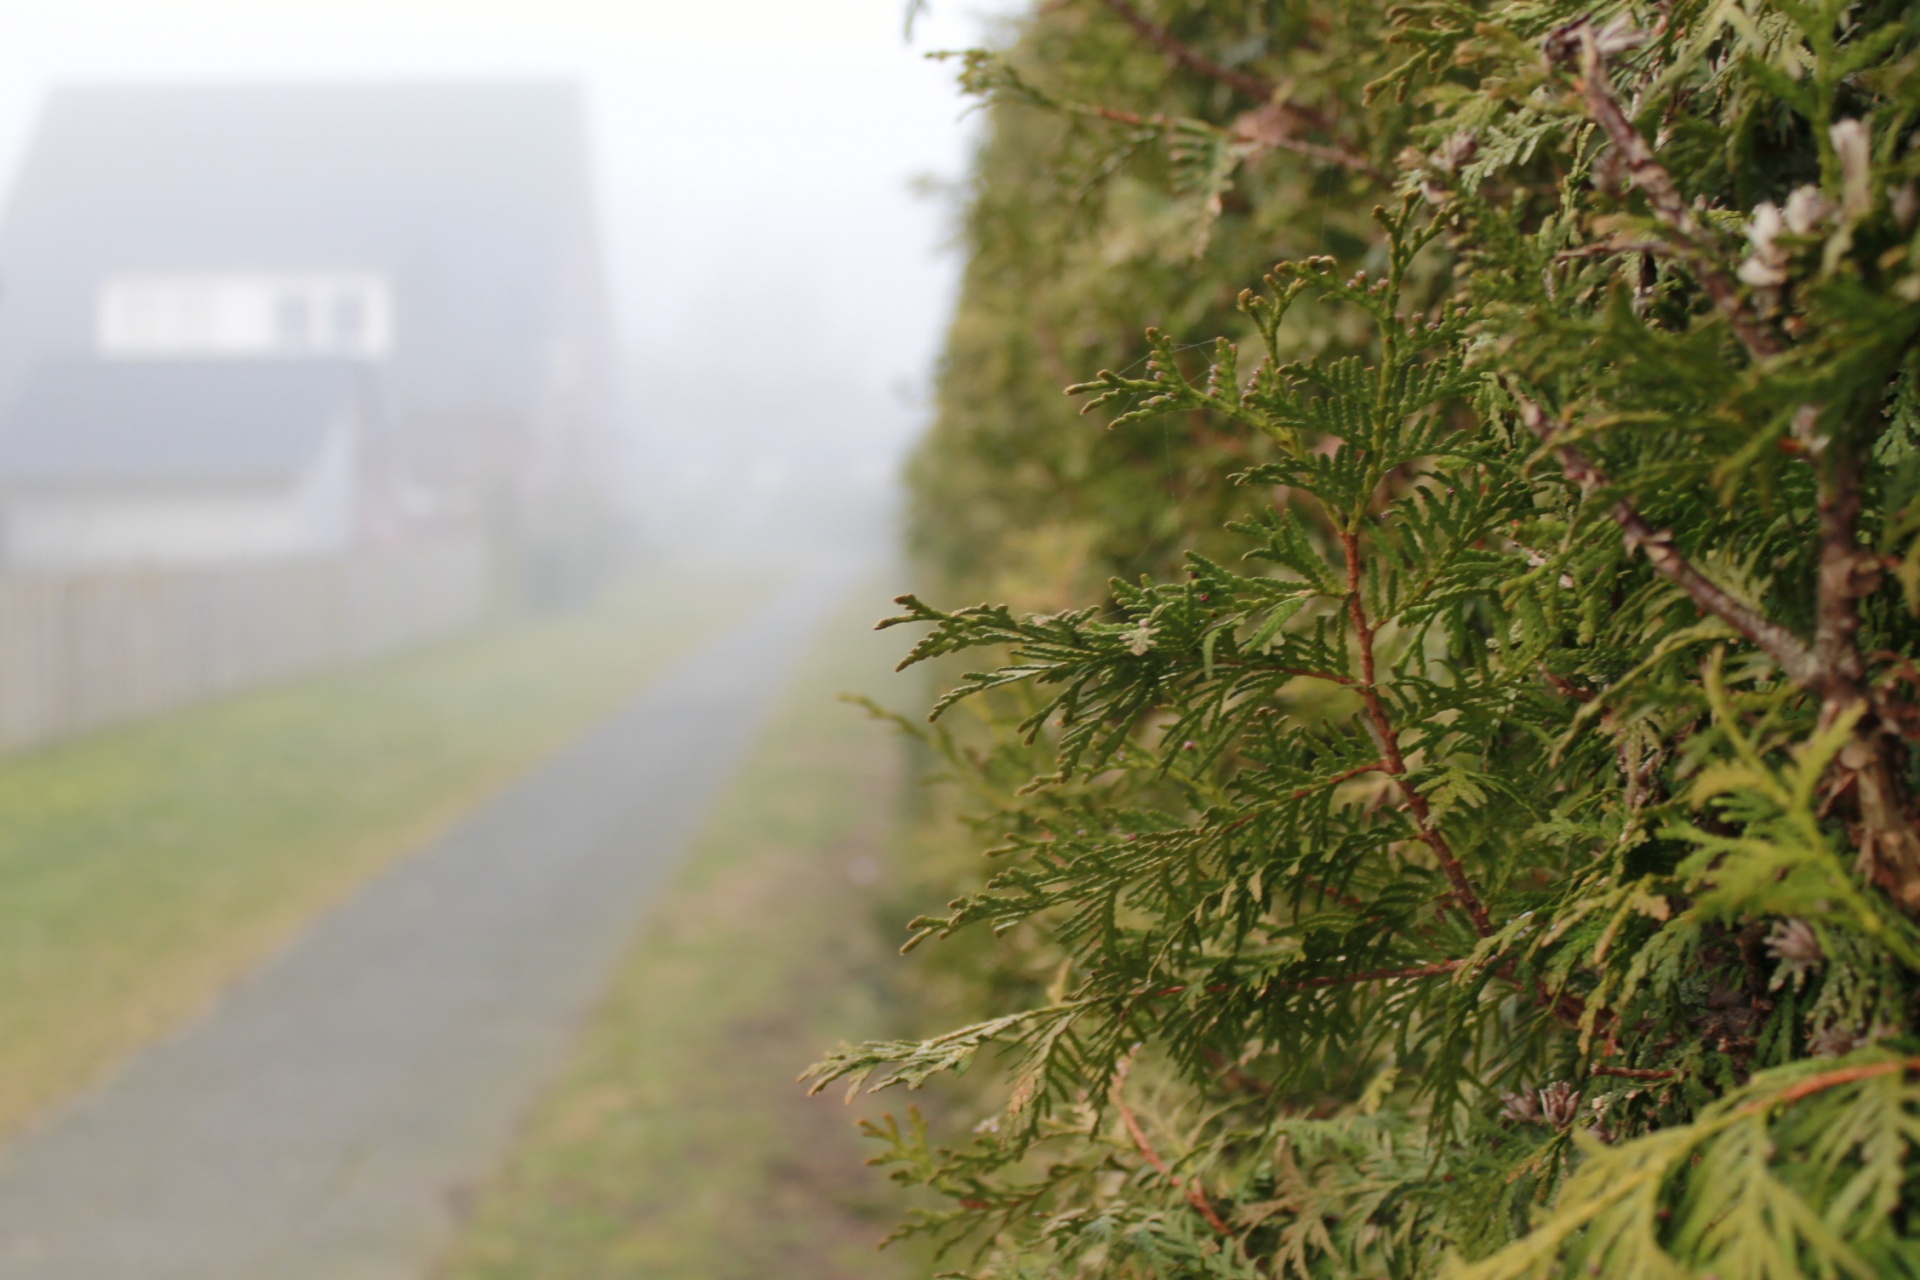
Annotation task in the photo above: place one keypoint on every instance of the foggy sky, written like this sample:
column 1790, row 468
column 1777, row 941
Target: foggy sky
column 754, row 164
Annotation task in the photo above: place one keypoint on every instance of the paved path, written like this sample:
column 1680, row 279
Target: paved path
column 322, row 1122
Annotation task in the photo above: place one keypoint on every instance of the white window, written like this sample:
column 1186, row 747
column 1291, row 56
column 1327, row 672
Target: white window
column 182, row 315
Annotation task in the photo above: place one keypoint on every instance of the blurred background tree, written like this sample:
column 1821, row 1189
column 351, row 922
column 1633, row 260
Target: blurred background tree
column 1120, row 187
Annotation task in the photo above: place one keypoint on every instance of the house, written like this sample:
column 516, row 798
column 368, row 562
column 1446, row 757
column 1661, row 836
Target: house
column 254, row 320
column 170, row 463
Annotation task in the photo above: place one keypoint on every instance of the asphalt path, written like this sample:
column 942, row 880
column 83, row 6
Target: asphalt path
column 325, row 1120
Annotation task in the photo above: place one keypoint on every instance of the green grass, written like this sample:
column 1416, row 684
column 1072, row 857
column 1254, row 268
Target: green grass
column 677, row 1145
column 144, row 868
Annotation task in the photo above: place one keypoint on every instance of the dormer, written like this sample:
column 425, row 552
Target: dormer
column 177, row 315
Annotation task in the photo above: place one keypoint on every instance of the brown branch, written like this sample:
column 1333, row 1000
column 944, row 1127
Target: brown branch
column 1611, row 248
column 1133, row 118
column 1577, row 44
column 1322, row 981
column 1181, row 54
column 1831, row 668
column 1565, row 687
column 1378, row 766
column 1847, row 573
column 1303, row 673
column 1636, row 1073
column 1236, row 1077
column 1253, row 125
column 1371, row 975
column 1787, row 649
column 1830, row 1080
column 1312, row 150
column 1347, row 900
column 1396, row 765
column 1326, row 155
column 1189, row 1188
column 1889, row 845
column 1301, row 793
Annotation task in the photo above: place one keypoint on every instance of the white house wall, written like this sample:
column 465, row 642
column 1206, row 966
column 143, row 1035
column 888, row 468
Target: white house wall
column 327, row 496
column 104, row 527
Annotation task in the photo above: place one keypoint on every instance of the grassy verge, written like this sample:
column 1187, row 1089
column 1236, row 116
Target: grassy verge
column 144, row 868
column 677, row 1146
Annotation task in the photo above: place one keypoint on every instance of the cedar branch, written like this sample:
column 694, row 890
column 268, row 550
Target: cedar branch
column 1831, row 668
column 1784, row 647
column 1182, row 54
column 1450, row 866
column 1831, row 1080
column 1848, row 573
column 1371, row 975
column 1327, row 979
column 1694, row 243
column 1377, row 766
column 1312, row 150
column 1189, row 1188
column 1252, row 85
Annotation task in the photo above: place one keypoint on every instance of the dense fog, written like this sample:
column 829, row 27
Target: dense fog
column 776, row 285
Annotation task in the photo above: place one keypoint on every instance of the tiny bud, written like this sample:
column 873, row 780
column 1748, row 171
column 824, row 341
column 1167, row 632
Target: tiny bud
column 1559, row 1102
column 1458, row 150
column 1610, row 172
column 1905, row 203
column 1853, row 145
column 1521, row 1108
column 1807, row 210
column 1797, row 949
column 1618, row 36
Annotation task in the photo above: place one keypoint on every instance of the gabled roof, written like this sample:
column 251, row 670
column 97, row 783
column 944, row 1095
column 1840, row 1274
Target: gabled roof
column 473, row 197
column 170, row 422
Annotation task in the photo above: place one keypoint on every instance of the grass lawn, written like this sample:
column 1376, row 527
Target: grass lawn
column 144, row 868
column 676, row 1146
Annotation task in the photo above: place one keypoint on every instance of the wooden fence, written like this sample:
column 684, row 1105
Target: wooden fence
column 84, row 651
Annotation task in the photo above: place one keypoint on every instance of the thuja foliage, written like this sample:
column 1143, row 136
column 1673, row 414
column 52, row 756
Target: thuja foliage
column 1110, row 195
column 1496, row 856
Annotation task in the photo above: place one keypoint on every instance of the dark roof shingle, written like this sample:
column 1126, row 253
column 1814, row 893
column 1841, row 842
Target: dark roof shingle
column 171, row 422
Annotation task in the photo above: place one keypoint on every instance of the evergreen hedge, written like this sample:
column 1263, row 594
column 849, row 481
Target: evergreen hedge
column 1494, row 852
